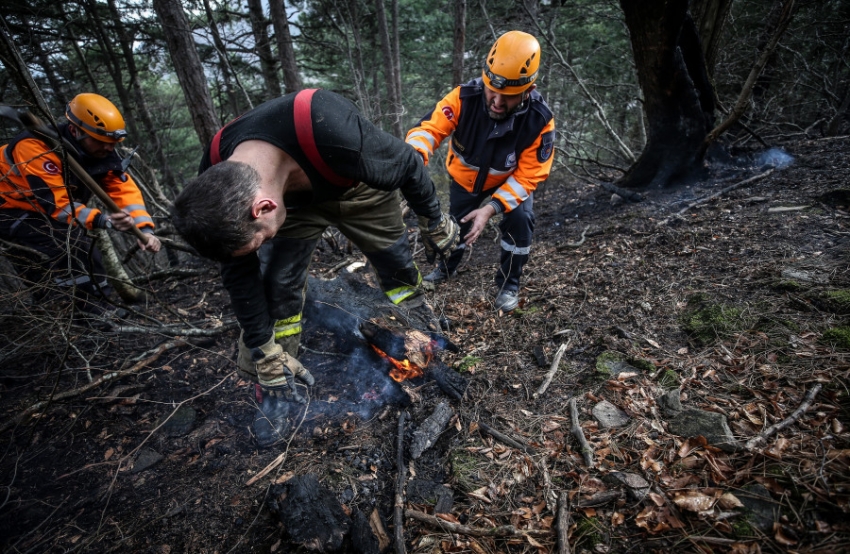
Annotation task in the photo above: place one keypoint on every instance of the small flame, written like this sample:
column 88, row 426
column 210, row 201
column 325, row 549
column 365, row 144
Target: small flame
column 402, row 370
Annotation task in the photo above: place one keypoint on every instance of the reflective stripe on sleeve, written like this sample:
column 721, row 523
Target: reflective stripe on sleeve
column 514, row 249
column 517, row 194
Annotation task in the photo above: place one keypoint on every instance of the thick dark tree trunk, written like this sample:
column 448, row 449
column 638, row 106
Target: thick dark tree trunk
column 285, row 50
column 679, row 100
column 262, row 43
column 187, row 64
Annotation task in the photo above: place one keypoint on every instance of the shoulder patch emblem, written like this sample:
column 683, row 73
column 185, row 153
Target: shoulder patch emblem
column 510, row 161
column 448, row 112
column 547, row 147
column 51, row 168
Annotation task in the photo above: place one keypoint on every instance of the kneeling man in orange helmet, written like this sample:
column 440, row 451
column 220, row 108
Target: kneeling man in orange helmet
column 502, row 142
column 43, row 206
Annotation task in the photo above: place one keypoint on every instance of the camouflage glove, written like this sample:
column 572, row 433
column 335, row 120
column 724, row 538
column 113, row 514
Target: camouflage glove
column 440, row 236
column 273, row 369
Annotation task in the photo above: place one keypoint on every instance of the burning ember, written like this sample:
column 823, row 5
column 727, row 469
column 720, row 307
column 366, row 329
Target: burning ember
column 410, row 352
column 402, row 370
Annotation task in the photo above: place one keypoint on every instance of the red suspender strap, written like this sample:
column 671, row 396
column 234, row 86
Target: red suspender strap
column 215, row 154
column 304, row 133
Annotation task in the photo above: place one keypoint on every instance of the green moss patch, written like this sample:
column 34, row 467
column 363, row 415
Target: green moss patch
column 705, row 321
column 839, row 337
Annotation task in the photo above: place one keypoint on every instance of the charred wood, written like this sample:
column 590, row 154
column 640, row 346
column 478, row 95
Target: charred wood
column 310, row 513
column 450, row 381
column 426, row 435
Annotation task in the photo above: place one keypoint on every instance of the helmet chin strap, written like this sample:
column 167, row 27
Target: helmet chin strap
column 77, row 133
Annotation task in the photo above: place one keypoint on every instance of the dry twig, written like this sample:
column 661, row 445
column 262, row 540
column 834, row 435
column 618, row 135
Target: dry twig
column 578, row 433
column 501, row 437
column 552, row 369
column 719, row 193
column 501, row 531
column 398, row 512
column 154, row 354
column 762, row 437
column 563, row 524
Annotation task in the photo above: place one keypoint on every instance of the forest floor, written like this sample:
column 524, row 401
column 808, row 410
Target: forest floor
column 739, row 305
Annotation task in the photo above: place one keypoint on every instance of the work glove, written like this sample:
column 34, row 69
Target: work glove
column 439, row 236
column 274, row 369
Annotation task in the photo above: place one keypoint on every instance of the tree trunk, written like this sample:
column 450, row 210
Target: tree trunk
column 71, row 39
column 396, row 50
column 187, row 64
column 285, row 50
column 113, row 65
column 47, row 68
column 710, row 17
column 262, row 44
column 355, row 56
column 458, row 42
column 221, row 52
column 676, row 90
column 394, row 108
column 125, row 40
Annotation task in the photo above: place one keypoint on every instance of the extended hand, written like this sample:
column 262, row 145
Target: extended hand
column 479, row 219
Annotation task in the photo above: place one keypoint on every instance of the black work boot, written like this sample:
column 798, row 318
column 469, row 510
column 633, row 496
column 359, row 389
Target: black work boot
column 271, row 422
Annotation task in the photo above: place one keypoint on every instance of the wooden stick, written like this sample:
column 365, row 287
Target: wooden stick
column 564, row 524
column 762, row 437
column 600, row 499
column 721, row 192
column 398, row 515
column 501, row 531
column 505, row 439
column 552, row 369
column 578, row 433
column 154, row 354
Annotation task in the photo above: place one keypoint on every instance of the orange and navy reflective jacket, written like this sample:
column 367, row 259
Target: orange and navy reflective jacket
column 512, row 156
column 32, row 179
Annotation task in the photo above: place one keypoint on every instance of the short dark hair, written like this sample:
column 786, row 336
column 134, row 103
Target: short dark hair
column 213, row 211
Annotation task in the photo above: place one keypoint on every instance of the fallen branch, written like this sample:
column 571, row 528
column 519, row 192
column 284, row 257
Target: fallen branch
column 398, row 512
column 166, row 273
column 762, row 437
column 563, row 524
column 721, row 192
column 175, row 331
column 552, row 369
column 154, row 354
column 600, row 499
column 501, row 437
column 578, row 433
column 501, row 531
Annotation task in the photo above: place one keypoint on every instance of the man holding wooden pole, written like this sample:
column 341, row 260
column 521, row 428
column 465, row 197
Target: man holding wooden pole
column 45, row 182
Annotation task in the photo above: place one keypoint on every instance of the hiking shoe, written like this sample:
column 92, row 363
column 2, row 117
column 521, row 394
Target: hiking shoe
column 437, row 276
column 507, row 301
column 271, row 421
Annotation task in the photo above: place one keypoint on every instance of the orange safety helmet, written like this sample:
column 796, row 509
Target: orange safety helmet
column 97, row 117
column 511, row 66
